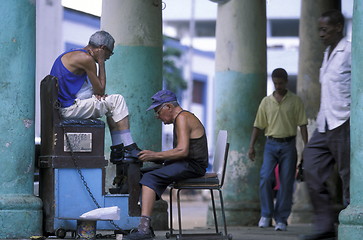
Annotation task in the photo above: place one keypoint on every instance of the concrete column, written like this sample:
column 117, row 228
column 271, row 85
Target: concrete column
column 240, row 85
column 20, row 210
column 308, row 87
column 49, row 18
column 351, row 221
column 135, row 70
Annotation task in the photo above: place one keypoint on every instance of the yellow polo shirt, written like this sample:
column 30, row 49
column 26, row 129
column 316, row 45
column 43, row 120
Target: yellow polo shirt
column 281, row 120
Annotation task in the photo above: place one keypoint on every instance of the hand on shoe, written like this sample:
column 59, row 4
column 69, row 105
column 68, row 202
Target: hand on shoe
column 147, row 155
column 131, row 153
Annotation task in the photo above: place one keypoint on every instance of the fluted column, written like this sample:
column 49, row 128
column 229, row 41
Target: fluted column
column 135, row 71
column 240, row 84
column 20, row 211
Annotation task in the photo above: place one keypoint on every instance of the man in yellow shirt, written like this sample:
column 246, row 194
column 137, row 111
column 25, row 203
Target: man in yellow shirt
column 279, row 115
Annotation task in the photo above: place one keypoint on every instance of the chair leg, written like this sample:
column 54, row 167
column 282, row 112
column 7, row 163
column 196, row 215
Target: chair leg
column 223, row 214
column 214, row 210
column 171, row 210
column 179, row 212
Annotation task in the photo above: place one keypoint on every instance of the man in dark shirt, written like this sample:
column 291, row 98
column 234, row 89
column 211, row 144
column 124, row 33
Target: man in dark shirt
column 330, row 142
column 188, row 158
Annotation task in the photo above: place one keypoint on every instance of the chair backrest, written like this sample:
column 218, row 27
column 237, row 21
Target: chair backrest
column 49, row 98
column 48, row 113
column 220, row 155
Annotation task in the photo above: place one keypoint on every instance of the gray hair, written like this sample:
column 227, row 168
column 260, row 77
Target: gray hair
column 102, row 38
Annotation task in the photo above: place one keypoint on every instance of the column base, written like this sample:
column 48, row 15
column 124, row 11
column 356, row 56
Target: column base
column 237, row 213
column 351, row 223
column 20, row 216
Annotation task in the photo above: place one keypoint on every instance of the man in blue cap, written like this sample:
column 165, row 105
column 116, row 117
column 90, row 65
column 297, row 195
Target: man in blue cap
column 188, row 158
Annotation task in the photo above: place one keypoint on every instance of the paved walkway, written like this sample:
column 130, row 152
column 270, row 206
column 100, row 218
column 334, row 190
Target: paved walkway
column 238, row 233
column 194, row 217
column 242, row 233
column 253, row 233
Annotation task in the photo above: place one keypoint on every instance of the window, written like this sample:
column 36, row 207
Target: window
column 198, row 91
column 284, row 27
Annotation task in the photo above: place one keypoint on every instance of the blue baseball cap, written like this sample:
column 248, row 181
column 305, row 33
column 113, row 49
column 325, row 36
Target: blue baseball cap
column 161, row 97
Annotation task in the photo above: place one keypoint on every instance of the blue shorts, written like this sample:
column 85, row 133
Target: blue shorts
column 161, row 178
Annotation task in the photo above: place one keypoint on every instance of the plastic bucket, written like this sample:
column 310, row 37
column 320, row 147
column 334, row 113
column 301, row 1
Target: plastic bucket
column 86, row 229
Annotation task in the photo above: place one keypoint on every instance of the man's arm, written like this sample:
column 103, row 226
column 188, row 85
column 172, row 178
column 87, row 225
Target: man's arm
column 99, row 80
column 304, row 134
column 80, row 61
column 299, row 170
column 254, row 135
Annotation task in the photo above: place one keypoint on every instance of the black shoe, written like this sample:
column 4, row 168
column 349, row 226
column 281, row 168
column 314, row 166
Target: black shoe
column 123, row 189
column 140, row 236
column 319, row 236
column 122, row 186
column 131, row 153
column 117, row 153
column 120, row 231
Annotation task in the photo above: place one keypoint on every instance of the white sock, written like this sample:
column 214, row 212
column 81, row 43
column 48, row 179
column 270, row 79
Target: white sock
column 121, row 136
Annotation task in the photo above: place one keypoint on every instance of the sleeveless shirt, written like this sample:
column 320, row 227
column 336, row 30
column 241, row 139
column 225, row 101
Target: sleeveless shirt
column 68, row 83
column 198, row 150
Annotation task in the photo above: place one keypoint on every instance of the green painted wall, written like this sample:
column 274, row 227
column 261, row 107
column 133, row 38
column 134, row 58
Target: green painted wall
column 236, row 105
column 20, row 210
column 135, row 70
column 240, row 85
column 136, row 75
column 235, row 97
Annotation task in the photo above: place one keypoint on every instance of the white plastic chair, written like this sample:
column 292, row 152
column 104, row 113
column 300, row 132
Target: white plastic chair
column 210, row 181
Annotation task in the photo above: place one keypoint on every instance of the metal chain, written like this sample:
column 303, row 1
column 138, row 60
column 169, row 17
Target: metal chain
column 74, row 158
column 79, row 170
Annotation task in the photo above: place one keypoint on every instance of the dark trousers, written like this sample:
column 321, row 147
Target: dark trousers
column 161, row 178
column 320, row 155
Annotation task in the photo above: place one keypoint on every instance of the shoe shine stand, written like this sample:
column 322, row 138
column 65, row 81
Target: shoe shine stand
column 72, row 179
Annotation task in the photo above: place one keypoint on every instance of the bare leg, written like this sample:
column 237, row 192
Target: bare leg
column 148, row 201
column 120, row 125
column 144, row 228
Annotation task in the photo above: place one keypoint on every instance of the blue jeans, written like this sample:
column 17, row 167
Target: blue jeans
column 284, row 154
